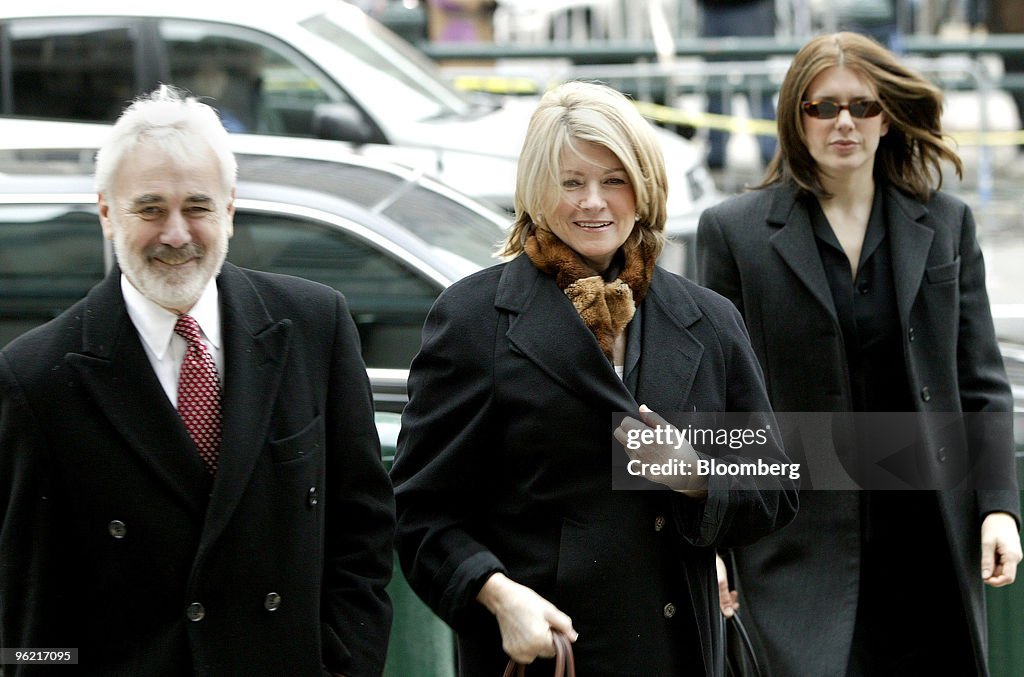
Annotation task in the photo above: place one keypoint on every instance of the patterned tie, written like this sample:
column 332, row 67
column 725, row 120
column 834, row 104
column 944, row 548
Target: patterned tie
column 199, row 393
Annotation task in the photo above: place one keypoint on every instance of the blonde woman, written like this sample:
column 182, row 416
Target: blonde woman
column 509, row 527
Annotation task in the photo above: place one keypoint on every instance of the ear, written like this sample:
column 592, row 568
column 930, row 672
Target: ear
column 884, row 129
column 104, row 208
column 231, row 214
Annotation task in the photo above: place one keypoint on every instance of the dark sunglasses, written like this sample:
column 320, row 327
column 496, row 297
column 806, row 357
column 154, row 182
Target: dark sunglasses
column 826, row 110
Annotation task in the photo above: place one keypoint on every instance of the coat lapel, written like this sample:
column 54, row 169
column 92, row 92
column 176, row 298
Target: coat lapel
column 911, row 240
column 545, row 328
column 794, row 241
column 114, row 368
column 670, row 354
column 256, row 352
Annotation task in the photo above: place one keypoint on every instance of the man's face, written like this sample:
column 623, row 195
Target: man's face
column 169, row 216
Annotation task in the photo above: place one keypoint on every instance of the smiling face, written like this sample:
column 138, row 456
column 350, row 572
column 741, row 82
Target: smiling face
column 596, row 211
column 169, row 216
column 843, row 146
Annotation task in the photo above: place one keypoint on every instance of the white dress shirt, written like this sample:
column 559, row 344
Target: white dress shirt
column 164, row 348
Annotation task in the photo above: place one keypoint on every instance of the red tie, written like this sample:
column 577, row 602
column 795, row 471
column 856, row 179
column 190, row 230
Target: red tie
column 199, row 393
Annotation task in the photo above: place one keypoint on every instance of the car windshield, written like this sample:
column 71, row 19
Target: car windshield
column 402, row 78
column 446, row 222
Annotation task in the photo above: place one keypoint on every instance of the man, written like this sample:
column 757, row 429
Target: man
column 737, row 18
column 190, row 476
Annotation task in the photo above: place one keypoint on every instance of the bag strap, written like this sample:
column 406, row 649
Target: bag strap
column 565, row 664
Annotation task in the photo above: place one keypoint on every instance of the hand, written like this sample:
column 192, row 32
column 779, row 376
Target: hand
column 1000, row 549
column 728, row 600
column 525, row 618
column 669, row 450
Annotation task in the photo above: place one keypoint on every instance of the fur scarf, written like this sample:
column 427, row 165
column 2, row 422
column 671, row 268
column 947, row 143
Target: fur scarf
column 606, row 307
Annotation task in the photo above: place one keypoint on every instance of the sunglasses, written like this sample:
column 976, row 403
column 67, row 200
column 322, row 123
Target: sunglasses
column 826, row 110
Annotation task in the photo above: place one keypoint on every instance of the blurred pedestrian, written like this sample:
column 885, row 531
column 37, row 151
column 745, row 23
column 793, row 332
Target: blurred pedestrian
column 863, row 289
column 737, row 18
column 1007, row 16
column 460, row 20
column 190, row 475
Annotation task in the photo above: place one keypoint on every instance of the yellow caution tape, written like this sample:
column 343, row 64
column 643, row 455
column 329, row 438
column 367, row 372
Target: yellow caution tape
column 495, row 84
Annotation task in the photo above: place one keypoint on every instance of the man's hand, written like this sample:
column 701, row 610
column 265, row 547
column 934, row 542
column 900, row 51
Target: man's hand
column 1000, row 549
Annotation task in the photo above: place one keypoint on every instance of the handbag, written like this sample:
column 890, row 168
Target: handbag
column 740, row 659
column 564, row 663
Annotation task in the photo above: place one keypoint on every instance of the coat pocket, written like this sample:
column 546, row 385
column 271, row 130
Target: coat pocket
column 943, row 272
column 299, row 445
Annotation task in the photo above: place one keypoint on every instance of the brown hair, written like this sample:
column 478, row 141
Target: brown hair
column 910, row 155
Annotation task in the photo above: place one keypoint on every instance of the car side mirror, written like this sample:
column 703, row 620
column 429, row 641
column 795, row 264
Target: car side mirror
column 344, row 122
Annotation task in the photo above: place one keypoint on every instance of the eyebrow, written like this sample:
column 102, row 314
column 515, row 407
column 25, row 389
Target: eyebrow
column 607, row 170
column 153, row 198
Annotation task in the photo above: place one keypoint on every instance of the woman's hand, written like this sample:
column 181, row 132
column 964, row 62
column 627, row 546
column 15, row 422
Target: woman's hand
column 670, row 451
column 728, row 600
column 525, row 618
column 1000, row 549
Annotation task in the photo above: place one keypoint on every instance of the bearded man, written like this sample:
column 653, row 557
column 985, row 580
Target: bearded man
column 190, row 475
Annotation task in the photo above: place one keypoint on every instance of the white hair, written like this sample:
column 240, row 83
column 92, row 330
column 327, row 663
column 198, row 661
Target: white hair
column 173, row 120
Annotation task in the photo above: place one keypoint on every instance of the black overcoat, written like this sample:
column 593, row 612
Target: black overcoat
column 112, row 532
column 800, row 586
column 504, row 464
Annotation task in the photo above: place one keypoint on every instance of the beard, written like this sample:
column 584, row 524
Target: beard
column 168, row 287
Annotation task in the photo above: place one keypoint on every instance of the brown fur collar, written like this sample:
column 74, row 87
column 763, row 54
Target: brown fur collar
column 605, row 307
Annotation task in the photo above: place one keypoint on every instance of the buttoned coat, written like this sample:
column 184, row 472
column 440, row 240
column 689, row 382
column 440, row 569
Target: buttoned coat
column 799, row 587
column 115, row 540
column 504, row 464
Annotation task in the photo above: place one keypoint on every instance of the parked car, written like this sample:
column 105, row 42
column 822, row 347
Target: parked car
column 389, row 238
column 306, row 68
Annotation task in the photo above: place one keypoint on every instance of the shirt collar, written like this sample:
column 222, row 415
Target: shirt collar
column 155, row 324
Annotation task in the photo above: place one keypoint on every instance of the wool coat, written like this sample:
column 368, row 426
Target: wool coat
column 799, row 587
column 505, row 458
column 115, row 540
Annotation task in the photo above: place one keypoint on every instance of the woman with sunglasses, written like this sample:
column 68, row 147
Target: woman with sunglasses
column 863, row 289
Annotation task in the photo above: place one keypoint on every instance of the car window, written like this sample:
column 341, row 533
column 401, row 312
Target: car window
column 388, row 300
column 447, row 225
column 49, row 258
column 439, row 220
column 257, row 84
column 70, row 69
column 392, row 77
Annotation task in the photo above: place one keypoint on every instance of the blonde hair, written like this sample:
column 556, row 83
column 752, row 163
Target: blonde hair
column 910, row 155
column 585, row 111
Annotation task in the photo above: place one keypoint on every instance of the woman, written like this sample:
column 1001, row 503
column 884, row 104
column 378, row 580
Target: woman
column 509, row 526
column 863, row 289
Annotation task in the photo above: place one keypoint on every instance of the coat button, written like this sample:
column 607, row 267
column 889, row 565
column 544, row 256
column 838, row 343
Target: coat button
column 117, row 529
column 925, row 394
column 195, row 612
column 910, row 334
column 941, row 454
column 659, row 523
column 312, row 497
column 863, row 289
column 272, row 602
column 669, row 611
